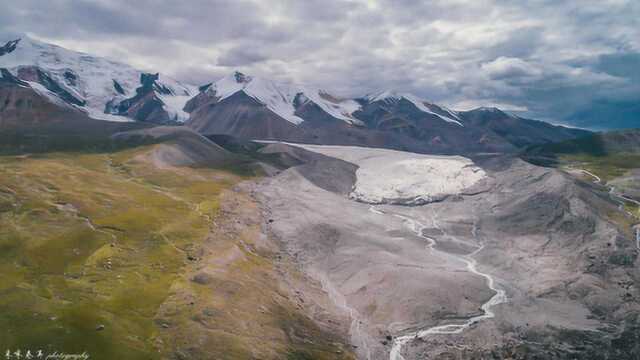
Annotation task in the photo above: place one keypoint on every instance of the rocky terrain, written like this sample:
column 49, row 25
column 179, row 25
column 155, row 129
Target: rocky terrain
column 153, row 250
column 385, row 227
column 252, row 107
column 560, row 250
column 609, row 159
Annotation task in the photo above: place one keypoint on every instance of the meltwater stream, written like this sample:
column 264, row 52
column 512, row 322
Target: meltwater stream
column 471, row 265
column 620, row 198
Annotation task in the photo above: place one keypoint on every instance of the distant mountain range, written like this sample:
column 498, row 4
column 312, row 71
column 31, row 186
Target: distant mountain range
column 597, row 145
column 251, row 107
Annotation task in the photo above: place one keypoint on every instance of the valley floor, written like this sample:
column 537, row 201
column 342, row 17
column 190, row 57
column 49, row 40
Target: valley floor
column 403, row 274
column 129, row 255
column 108, row 254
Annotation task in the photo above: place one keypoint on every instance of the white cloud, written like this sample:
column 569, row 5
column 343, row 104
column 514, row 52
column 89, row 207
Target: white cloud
column 506, row 67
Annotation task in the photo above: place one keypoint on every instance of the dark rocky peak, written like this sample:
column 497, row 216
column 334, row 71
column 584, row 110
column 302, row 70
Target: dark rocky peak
column 149, row 83
column 71, row 77
column 145, row 105
column 9, row 47
column 487, row 114
column 241, row 78
column 300, row 100
column 162, row 89
column 7, row 78
column 118, row 87
column 361, row 100
column 204, row 87
column 204, row 97
column 147, row 80
column 36, row 74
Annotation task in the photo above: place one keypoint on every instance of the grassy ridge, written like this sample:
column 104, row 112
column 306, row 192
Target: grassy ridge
column 600, row 157
column 607, row 167
column 15, row 142
column 610, row 154
column 95, row 240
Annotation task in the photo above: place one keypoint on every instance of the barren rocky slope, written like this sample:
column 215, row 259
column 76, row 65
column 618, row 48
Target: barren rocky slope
column 560, row 248
column 254, row 108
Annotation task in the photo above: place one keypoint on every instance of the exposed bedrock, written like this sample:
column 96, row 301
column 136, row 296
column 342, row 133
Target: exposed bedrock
column 9, row 46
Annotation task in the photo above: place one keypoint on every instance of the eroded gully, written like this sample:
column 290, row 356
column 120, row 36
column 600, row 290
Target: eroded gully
column 471, row 265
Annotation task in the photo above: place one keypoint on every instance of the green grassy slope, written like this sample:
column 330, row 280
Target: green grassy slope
column 93, row 240
column 99, row 249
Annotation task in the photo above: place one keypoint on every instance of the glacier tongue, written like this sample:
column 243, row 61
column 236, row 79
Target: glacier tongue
column 398, row 177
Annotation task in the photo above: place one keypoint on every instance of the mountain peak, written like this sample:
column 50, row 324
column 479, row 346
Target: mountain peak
column 494, row 111
column 95, row 83
column 241, row 78
column 9, row 46
column 283, row 98
column 391, row 96
column 489, row 109
column 384, row 95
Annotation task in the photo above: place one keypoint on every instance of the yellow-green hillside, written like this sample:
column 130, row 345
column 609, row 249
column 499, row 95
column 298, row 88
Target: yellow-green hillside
column 90, row 245
column 123, row 257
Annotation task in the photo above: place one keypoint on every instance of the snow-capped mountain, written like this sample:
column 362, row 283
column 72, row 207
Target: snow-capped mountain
column 283, row 99
column 518, row 131
column 393, row 97
column 93, row 84
column 254, row 107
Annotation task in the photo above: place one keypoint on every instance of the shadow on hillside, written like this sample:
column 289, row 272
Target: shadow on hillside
column 548, row 155
column 73, row 136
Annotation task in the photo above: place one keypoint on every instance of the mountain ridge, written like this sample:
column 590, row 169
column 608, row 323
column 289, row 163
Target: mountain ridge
column 260, row 108
column 94, row 83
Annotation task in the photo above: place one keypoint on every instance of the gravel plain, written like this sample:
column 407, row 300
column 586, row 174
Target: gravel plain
column 553, row 244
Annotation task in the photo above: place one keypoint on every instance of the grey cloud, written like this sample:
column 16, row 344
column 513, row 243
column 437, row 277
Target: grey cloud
column 558, row 59
column 240, row 56
column 521, row 43
column 509, row 67
column 620, row 64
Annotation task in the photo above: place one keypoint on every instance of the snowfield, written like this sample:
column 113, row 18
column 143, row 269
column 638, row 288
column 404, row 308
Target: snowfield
column 398, row 177
column 93, row 77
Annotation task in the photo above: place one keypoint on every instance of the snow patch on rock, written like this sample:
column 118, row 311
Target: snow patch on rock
column 174, row 106
column 424, row 106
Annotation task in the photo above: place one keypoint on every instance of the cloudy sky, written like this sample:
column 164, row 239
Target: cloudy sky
column 574, row 62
